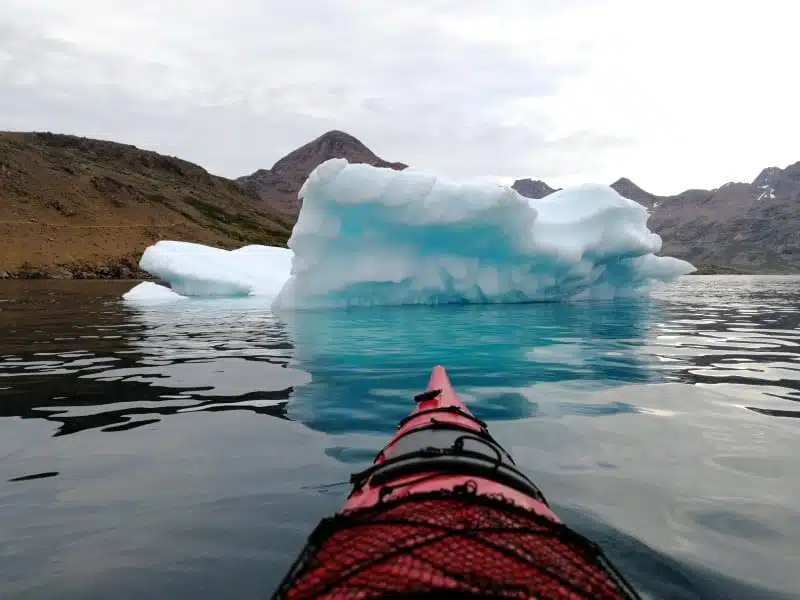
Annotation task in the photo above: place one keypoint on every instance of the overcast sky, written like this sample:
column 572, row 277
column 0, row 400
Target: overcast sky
column 677, row 94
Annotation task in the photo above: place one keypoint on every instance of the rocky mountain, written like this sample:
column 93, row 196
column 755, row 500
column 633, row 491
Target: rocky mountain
column 625, row 187
column 532, row 188
column 738, row 227
column 279, row 185
column 78, row 207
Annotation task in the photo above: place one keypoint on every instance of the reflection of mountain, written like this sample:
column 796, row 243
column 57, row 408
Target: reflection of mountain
column 116, row 368
column 367, row 363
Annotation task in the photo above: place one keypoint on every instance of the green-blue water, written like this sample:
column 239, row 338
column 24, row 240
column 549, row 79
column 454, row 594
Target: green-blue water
column 187, row 450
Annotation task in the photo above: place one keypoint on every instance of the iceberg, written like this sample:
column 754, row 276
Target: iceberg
column 373, row 236
column 148, row 292
column 370, row 236
column 197, row 270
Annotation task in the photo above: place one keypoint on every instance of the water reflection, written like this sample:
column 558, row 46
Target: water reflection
column 75, row 355
column 369, row 362
column 739, row 334
column 93, row 362
column 655, row 428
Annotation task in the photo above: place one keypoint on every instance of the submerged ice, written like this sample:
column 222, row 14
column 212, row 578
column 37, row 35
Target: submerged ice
column 373, row 236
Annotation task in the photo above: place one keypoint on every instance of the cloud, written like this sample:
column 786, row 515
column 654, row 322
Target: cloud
column 684, row 94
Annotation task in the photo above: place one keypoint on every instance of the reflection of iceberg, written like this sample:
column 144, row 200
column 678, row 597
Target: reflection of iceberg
column 208, row 329
column 232, row 351
column 370, row 236
column 510, row 361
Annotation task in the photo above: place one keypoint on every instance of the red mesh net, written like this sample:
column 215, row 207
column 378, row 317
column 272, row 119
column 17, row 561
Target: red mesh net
column 452, row 547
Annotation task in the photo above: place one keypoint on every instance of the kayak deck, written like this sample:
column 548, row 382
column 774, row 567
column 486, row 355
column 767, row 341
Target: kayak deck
column 444, row 512
column 439, row 446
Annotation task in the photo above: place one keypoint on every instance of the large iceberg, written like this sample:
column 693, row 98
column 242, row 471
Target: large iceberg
column 371, row 236
column 374, row 236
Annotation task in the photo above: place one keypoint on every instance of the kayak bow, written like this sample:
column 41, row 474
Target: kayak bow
column 443, row 512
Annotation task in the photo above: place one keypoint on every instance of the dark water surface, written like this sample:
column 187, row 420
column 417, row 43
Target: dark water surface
column 186, row 450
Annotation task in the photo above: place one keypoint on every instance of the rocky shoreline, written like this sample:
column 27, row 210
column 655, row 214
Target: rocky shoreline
column 723, row 270
column 124, row 269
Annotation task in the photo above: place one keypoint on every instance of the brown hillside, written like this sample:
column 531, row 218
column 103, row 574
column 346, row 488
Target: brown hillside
column 72, row 206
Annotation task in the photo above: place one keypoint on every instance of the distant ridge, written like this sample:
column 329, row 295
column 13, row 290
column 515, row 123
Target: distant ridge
column 78, row 207
column 738, row 227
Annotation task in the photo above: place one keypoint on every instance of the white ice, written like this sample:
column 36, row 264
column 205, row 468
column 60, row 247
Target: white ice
column 148, row 292
column 371, row 236
column 198, row 270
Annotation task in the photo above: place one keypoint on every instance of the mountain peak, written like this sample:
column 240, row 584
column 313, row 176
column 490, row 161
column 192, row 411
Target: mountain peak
column 281, row 184
column 532, row 188
column 624, row 182
column 331, row 144
column 768, row 177
column 779, row 181
column 626, row 188
column 338, row 134
column 338, row 140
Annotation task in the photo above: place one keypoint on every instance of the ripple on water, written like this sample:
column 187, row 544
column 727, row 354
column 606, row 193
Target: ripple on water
column 670, row 423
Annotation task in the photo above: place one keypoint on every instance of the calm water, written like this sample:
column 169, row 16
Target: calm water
column 187, row 450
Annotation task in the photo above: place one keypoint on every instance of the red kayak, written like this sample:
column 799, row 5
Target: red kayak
column 443, row 512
